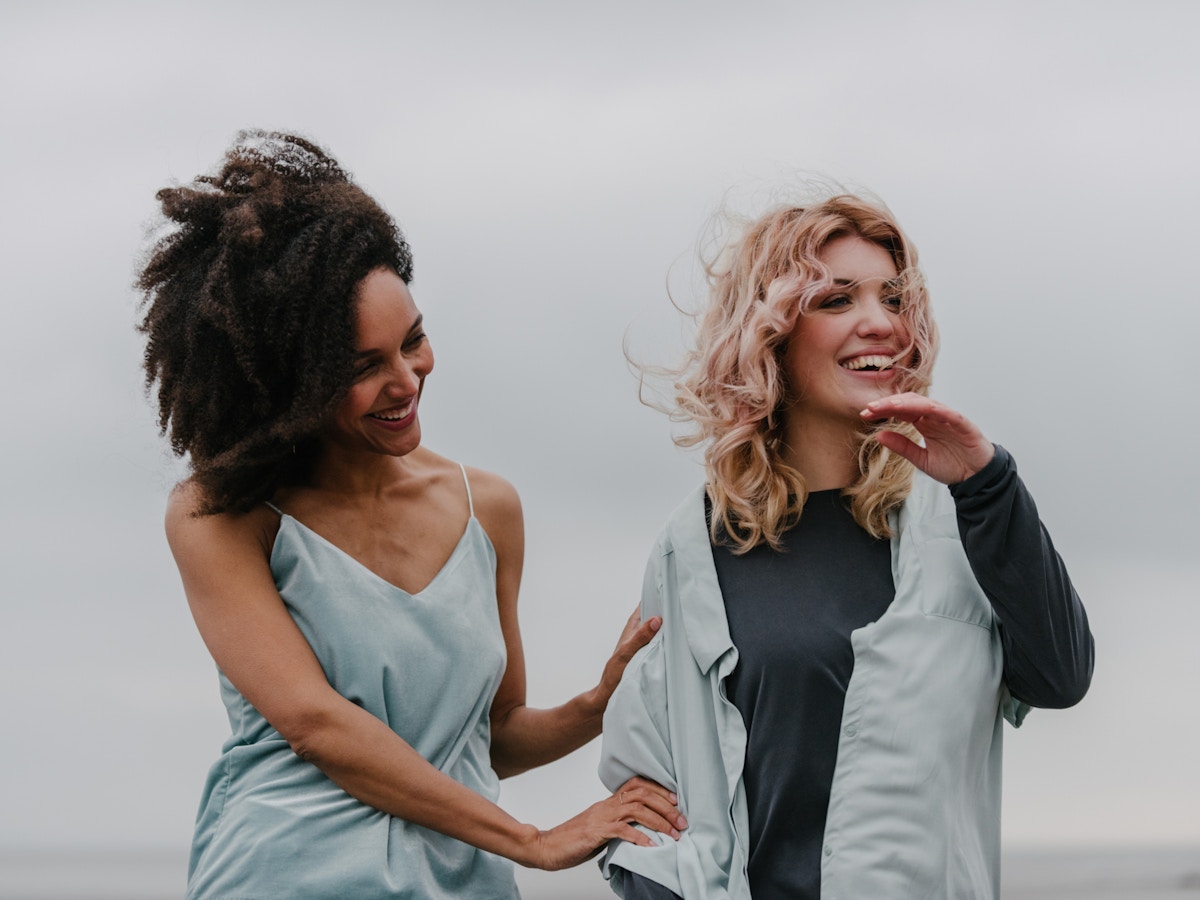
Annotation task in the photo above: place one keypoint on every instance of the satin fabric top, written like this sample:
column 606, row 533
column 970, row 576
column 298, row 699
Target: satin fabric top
column 428, row 665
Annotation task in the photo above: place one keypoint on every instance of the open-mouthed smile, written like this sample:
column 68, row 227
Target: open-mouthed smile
column 395, row 414
column 869, row 363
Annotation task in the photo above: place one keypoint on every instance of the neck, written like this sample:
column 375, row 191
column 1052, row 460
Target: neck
column 824, row 451
column 359, row 473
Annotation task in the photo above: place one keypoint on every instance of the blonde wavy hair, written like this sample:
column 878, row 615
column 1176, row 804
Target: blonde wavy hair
column 731, row 386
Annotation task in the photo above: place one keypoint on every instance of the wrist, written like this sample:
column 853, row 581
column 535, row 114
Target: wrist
column 990, row 473
column 528, row 849
column 593, row 703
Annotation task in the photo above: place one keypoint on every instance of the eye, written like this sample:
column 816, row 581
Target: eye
column 365, row 368
column 414, row 341
column 894, row 301
column 834, row 302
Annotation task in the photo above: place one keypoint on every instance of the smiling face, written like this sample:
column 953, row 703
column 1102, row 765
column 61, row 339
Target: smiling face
column 392, row 358
column 841, row 352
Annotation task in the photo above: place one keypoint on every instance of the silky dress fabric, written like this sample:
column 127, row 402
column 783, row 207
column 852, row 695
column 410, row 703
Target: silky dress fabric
column 428, row 665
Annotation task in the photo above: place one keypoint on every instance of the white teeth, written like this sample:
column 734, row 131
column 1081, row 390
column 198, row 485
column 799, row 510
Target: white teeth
column 394, row 416
column 865, row 362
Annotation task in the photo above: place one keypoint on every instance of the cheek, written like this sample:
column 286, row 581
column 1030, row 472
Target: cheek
column 904, row 333
column 356, row 403
column 809, row 347
column 798, row 369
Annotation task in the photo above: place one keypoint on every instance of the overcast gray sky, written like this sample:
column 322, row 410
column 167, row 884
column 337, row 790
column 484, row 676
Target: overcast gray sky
column 553, row 165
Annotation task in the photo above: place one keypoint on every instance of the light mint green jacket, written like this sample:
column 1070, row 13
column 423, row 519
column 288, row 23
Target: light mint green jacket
column 914, row 810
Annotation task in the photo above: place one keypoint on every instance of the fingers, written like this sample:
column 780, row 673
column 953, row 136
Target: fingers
column 902, row 446
column 651, row 805
column 638, row 801
column 911, row 407
column 633, row 836
column 634, row 640
column 635, row 636
column 954, row 448
column 638, row 781
column 641, row 637
column 631, row 625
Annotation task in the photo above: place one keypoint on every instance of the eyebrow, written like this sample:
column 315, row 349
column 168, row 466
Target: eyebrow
column 893, row 283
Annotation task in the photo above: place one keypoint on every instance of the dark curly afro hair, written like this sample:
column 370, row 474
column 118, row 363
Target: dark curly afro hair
column 249, row 310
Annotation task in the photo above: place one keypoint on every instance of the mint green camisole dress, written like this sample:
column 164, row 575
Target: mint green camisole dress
column 272, row 826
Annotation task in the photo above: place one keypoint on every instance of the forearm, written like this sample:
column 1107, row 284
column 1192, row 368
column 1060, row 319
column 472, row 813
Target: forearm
column 1048, row 649
column 524, row 738
column 370, row 762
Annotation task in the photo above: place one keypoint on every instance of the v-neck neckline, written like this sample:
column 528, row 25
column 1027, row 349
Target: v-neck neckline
column 359, row 564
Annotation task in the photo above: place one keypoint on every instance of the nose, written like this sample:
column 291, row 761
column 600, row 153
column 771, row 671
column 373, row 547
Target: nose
column 408, row 371
column 405, row 378
column 876, row 320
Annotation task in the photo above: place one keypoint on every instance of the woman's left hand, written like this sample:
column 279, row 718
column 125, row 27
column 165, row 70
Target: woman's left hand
column 634, row 637
column 955, row 449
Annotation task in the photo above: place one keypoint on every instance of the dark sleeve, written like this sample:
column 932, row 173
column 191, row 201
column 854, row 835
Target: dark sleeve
column 1043, row 626
column 638, row 887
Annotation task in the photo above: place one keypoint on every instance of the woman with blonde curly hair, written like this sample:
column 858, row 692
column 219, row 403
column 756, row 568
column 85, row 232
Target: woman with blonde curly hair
column 852, row 605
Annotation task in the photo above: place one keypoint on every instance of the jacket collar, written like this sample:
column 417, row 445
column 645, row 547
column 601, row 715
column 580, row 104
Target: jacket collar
column 701, row 606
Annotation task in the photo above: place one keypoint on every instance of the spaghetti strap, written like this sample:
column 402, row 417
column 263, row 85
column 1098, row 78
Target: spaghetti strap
column 466, row 481
column 278, row 511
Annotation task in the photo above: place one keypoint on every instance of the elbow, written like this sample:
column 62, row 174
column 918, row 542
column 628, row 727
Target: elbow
column 1068, row 693
column 503, row 750
column 311, row 733
column 1076, row 687
column 1061, row 689
column 505, row 762
column 504, row 770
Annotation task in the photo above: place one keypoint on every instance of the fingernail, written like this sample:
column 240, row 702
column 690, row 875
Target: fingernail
column 681, row 822
column 674, row 834
column 674, row 799
column 655, row 623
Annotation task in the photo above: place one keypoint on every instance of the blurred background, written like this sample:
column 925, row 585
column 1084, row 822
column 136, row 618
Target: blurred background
column 554, row 166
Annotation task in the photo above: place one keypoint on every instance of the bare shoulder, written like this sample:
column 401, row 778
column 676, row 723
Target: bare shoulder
column 193, row 534
column 498, row 509
column 495, row 498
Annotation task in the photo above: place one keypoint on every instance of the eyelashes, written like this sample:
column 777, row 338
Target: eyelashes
column 373, row 364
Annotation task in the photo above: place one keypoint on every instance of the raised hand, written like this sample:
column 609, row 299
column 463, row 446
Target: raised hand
column 582, row 837
column 955, row 449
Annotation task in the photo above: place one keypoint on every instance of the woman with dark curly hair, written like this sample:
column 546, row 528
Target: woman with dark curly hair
column 853, row 604
column 357, row 591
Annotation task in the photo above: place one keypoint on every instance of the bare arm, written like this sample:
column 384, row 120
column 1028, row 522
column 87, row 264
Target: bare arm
column 223, row 561
column 522, row 737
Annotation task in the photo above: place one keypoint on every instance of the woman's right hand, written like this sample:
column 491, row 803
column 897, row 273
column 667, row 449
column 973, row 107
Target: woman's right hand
column 582, row 837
